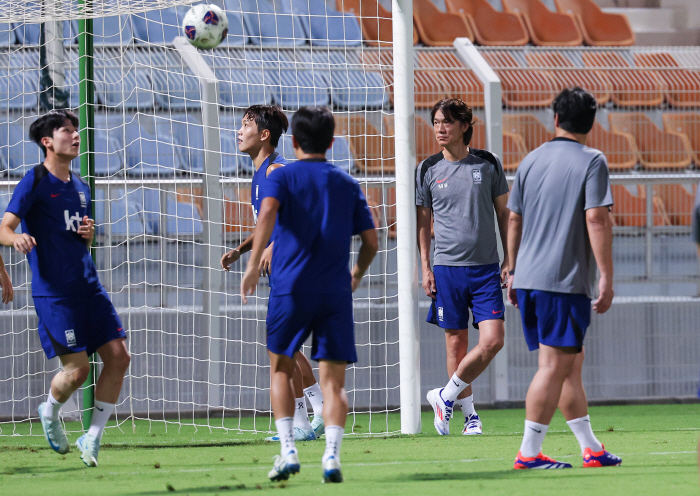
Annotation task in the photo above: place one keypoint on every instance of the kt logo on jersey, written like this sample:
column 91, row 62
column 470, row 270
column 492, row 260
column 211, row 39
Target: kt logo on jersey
column 70, row 225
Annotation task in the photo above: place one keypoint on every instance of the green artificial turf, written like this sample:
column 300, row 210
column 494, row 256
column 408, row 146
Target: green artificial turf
column 658, row 445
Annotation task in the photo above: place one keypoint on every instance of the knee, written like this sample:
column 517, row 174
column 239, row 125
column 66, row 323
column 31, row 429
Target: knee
column 76, row 377
column 120, row 361
column 493, row 346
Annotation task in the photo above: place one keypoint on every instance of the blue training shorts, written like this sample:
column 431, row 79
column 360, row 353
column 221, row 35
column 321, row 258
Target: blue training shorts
column 71, row 324
column 459, row 289
column 554, row 319
column 292, row 318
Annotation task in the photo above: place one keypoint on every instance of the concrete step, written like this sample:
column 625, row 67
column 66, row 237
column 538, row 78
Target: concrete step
column 685, row 37
column 645, row 20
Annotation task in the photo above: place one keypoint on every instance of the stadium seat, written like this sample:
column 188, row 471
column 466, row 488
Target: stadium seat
column 490, row 26
column 426, row 144
column 286, row 148
column 630, row 208
column 150, row 148
column 373, row 195
column 529, row 127
column 681, row 86
column 237, row 34
column 366, row 144
column 323, row 25
column 597, row 27
column 340, row 154
column 267, row 28
column 109, row 144
column 514, row 149
column 120, row 84
column 174, row 85
column 630, row 87
column 126, row 214
column 293, row 83
column 7, row 35
column 18, row 152
column 658, row 149
column 189, row 137
column 546, row 28
column 19, row 81
column 375, row 21
column 686, row 124
column 678, row 200
column 232, row 160
column 619, row 149
column 238, row 214
column 242, row 81
column 115, row 30
column 456, row 80
column 183, row 219
column 158, row 27
column 521, row 87
column 437, row 28
column 564, row 74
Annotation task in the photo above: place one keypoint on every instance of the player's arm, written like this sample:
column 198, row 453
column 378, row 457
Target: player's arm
column 8, row 292
column 232, row 256
column 263, row 231
column 423, row 218
column 23, row 243
column 515, row 234
column 600, row 233
column 368, row 249
column 502, row 217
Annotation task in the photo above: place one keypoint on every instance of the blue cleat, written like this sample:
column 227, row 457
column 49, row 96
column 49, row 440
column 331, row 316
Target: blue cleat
column 284, row 466
column 442, row 409
column 318, row 426
column 537, row 462
column 600, row 458
column 299, row 435
column 331, row 470
column 90, row 448
column 54, row 432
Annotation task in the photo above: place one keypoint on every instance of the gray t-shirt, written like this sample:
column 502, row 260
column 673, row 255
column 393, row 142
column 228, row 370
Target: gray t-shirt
column 461, row 195
column 553, row 187
column 696, row 217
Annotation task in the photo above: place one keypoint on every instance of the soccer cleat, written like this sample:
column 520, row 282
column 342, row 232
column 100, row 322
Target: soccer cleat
column 472, row 425
column 284, row 466
column 54, row 433
column 299, row 435
column 318, row 426
column 90, row 447
column 539, row 462
column 331, row 470
column 442, row 409
column 600, row 458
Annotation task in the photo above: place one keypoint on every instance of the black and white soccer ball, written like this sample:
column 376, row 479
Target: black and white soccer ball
column 205, row 26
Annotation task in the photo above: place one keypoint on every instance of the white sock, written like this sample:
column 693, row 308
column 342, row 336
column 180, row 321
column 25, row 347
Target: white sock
column 453, row 388
column 581, row 427
column 100, row 415
column 301, row 414
column 315, row 397
column 52, row 407
column 467, row 406
column 285, row 430
column 532, row 439
column 334, row 438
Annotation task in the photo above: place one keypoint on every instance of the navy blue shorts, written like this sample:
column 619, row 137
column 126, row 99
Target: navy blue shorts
column 459, row 289
column 71, row 324
column 554, row 319
column 292, row 318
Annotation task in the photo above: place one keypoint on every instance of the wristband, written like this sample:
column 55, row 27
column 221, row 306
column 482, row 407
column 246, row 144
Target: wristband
column 511, row 273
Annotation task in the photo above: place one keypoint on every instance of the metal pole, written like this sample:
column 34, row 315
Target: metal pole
column 650, row 230
column 406, row 251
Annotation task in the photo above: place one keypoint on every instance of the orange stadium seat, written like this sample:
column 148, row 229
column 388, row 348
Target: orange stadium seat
column 426, row 144
column 238, row 215
column 374, row 200
column 529, row 127
column 437, row 28
column 514, row 149
column 546, row 28
column 687, row 124
column 375, row 21
column 681, row 86
column 456, row 80
column 597, row 27
column 620, row 149
column 366, row 143
column 630, row 209
column 390, row 209
column 521, row 87
column 562, row 71
column 193, row 195
column 658, row 149
column 630, row 87
column 678, row 200
column 490, row 27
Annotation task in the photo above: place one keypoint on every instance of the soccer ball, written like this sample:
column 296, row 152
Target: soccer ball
column 205, row 26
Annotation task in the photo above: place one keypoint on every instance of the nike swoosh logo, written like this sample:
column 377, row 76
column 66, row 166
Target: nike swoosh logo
column 496, row 312
column 100, row 409
column 536, row 430
column 440, row 182
column 119, row 328
column 453, row 382
column 54, row 196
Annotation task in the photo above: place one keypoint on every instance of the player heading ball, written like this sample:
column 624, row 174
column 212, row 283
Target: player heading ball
column 76, row 316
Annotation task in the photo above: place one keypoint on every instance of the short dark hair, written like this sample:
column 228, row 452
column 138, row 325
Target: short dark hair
column 45, row 125
column 313, row 128
column 270, row 117
column 455, row 109
column 576, row 109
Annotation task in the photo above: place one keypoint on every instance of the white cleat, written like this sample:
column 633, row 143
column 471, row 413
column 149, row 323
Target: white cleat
column 318, row 426
column 442, row 409
column 54, row 432
column 90, row 448
column 299, row 435
column 331, row 470
column 472, row 425
column 284, row 466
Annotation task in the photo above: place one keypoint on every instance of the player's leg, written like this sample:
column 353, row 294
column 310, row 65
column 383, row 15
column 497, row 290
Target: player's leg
column 302, row 426
column 457, row 344
column 335, row 413
column 574, row 406
column 312, row 391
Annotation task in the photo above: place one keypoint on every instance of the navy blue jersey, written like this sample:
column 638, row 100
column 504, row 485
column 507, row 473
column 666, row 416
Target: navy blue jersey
column 51, row 212
column 321, row 208
column 259, row 178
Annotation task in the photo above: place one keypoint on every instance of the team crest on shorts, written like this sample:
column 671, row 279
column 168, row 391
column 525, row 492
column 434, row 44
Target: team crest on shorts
column 83, row 200
column 440, row 314
column 70, row 337
column 476, row 174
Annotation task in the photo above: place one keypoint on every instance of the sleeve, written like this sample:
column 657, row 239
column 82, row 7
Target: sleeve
column 362, row 217
column 499, row 186
column 423, row 196
column 515, row 200
column 22, row 198
column 597, row 188
column 696, row 218
column 275, row 186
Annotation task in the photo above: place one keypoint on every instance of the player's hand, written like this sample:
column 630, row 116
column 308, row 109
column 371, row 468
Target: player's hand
column 504, row 273
column 356, row 278
column 229, row 258
column 248, row 283
column 87, row 229
column 512, row 294
column 602, row 304
column 8, row 292
column 265, row 261
column 429, row 283
column 24, row 243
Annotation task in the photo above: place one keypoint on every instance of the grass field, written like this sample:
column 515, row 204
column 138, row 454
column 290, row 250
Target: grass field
column 657, row 443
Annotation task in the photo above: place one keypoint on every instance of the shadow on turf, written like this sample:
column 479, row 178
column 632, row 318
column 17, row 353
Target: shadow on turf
column 37, row 470
column 509, row 474
column 208, row 489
